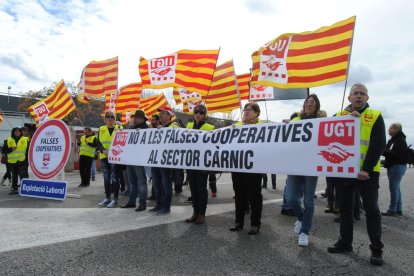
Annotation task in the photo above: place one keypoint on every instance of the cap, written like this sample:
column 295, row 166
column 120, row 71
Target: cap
column 140, row 114
column 166, row 109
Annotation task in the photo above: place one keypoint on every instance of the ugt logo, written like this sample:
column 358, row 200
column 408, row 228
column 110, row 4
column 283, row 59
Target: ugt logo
column 333, row 136
column 120, row 140
column 163, row 65
column 162, row 70
column 41, row 111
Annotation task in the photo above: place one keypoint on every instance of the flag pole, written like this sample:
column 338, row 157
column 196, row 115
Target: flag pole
column 347, row 69
column 267, row 117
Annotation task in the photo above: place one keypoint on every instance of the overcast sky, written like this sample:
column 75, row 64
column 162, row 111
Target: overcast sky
column 45, row 41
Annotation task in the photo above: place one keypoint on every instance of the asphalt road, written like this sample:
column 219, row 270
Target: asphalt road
column 75, row 237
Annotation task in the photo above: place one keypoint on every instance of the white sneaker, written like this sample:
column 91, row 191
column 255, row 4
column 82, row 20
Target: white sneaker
column 104, row 202
column 303, row 240
column 112, row 204
column 298, row 227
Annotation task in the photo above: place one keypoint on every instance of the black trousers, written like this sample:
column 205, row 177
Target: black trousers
column 16, row 172
column 198, row 186
column 7, row 174
column 178, row 179
column 369, row 193
column 212, row 182
column 248, row 190
column 85, row 165
column 333, row 186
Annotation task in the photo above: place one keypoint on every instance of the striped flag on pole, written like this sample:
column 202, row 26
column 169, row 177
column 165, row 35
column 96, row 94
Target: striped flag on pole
column 128, row 97
column 99, row 78
column 150, row 104
column 57, row 105
column 305, row 59
column 243, row 85
column 190, row 69
column 223, row 96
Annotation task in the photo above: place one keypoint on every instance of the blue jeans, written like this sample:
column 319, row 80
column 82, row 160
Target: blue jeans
column 110, row 178
column 161, row 181
column 137, row 180
column 93, row 168
column 395, row 174
column 295, row 185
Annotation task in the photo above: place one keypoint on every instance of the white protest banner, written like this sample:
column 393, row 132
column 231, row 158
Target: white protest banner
column 318, row 147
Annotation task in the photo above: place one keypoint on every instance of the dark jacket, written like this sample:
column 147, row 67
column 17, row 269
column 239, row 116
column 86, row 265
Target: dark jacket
column 396, row 151
column 141, row 126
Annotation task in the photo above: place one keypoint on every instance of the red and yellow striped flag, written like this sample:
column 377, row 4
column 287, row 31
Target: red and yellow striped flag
column 188, row 69
column 126, row 117
column 243, row 85
column 176, row 95
column 305, row 59
column 128, row 97
column 57, row 105
column 223, row 96
column 150, row 104
column 99, row 78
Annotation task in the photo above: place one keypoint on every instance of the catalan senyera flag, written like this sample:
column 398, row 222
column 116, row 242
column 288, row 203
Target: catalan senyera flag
column 190, row 69
column 126, row 117
column 150, row 104
column 57, row 105
column 243, row 85
column 176, row 95
column 128, row 97
column 99, row 78
column 306, row 59
column 223, row 96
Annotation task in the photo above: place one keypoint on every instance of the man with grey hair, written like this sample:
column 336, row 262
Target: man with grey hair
column 372, row 144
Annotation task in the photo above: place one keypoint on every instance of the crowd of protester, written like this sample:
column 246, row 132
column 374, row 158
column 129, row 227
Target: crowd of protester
column 345, row 196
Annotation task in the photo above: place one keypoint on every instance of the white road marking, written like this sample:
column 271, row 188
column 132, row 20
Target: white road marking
column 30, row 227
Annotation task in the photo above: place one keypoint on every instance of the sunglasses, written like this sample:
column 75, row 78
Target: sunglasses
column 199, row 112
column 110, row 117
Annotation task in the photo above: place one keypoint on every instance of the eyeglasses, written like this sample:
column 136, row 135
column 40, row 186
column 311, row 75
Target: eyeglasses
column 109, row 117
column 199, row 111
column 247, row 110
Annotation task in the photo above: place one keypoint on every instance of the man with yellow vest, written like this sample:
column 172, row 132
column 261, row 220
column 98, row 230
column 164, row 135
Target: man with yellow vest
column 16, row 150
column 372, row 136
column 198, row 179
column 111, row 183
column 161, row 177
column 86, row 153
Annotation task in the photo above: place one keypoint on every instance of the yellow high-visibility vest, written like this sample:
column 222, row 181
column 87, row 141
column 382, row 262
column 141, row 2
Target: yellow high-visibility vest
column 85, row 149
column 20, row 153
column 368, row 119
column 105, row 139
column 241, row 123
column 205, row 126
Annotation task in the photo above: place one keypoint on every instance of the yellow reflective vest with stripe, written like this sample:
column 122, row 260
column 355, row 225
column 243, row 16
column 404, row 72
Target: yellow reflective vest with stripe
column 205, row 126
column 105, row 139
column 86, row 149
column 368, row 119
column 19, row 154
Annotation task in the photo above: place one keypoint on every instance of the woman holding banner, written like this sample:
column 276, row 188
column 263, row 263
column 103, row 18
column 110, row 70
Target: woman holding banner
column 298, row 184
column 198, row 179
column 247, row 186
